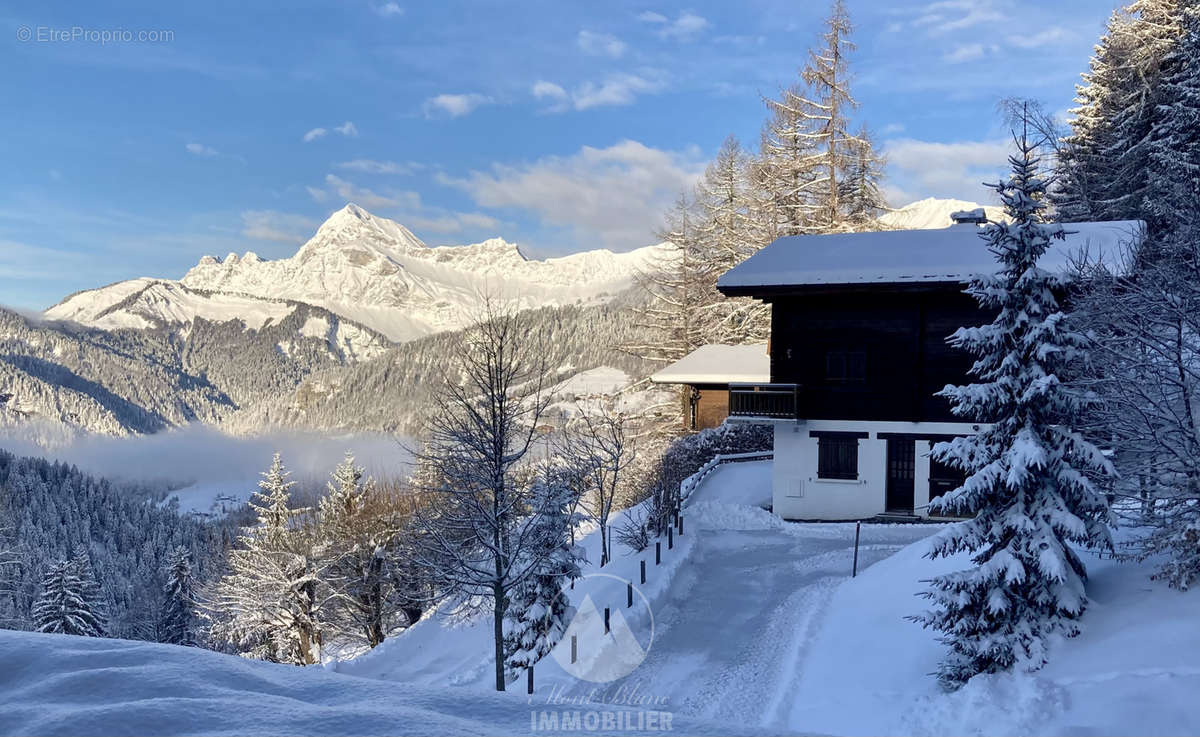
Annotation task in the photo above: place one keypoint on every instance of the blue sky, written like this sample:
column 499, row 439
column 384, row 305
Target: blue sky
column 561, row 126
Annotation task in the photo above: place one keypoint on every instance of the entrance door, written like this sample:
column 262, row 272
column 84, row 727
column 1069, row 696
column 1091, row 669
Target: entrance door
column 901, row 464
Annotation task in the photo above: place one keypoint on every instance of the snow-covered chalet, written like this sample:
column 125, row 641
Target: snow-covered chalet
column 858, row 351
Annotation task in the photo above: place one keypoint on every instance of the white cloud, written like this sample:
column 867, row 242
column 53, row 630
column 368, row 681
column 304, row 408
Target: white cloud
column 199, row 149
column 347, row 129
column 944, row 16
column 388, row 10
column 617, row 89
column 1051, row 35
column 370, row 166
column 615, row 196
column 685, row 26
column 453, row 105
column 921, row 169
column 600, row 44
column 318, row 194
column 452, row 222
column 964, row 53
column 350, row 192
column 271, row 225
column 614, row 90
column 557, row 98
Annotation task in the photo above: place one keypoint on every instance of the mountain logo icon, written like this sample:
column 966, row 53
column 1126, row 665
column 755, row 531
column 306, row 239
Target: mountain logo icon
column 601, row 654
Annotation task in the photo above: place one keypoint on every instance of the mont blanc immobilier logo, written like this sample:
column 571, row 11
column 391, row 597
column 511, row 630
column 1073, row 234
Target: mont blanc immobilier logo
column 607, row 641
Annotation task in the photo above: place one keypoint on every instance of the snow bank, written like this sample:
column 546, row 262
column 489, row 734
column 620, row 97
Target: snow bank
column 1134, row 670
column 445, row 649
column 64, row 685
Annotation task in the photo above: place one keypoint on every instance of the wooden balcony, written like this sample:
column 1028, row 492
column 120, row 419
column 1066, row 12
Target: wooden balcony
column 766, row 402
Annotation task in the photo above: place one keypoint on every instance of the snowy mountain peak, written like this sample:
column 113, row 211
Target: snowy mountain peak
column 352, row 223
column 934, row 212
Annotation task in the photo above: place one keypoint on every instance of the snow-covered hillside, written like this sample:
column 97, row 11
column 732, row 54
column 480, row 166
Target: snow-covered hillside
column 933, row 212
column 366, row 269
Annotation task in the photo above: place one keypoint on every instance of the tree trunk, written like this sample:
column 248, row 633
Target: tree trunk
column 498, row 633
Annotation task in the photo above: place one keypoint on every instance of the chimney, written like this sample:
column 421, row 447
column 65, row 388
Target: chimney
column 974, row 217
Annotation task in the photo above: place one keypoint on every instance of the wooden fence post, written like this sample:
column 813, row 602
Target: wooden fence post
column 670, row 538
column 574, row 648
column 657, row 552
column 606, row 630
column 628, row 594
column 643, row 567
column 529, row 688
column 857, row 530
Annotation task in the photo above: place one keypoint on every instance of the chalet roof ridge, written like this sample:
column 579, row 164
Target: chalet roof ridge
column 912, row 257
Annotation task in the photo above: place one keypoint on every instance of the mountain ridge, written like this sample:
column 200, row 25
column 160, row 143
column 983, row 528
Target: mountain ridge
column 371, row 271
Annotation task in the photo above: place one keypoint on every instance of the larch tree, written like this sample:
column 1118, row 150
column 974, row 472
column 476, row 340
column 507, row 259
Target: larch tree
column 808, row 149
column 481, row 530
column 1028, row 489
column 600, row 447
column 358, row 533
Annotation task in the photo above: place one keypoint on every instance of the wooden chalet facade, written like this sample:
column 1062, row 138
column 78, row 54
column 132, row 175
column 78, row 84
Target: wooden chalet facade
column 859, row 332
column 704, row 377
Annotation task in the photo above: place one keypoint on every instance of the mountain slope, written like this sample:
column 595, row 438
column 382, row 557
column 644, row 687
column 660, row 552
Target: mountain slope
column 368, row 270
column 132, row 381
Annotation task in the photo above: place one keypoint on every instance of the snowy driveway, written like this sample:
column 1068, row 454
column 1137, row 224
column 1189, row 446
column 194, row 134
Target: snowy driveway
column 733, row 629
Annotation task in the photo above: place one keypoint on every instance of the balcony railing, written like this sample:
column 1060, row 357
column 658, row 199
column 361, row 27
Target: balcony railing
column 764, row 401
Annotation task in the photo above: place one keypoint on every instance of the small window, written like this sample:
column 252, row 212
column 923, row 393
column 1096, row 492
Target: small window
column 846, row 367
column 837, row 458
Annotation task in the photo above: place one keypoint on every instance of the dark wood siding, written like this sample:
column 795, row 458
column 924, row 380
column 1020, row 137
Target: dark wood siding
column 710, row 407
column 903, row 336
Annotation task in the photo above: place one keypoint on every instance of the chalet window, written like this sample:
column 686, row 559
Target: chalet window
column 837, row 457
column 846, row 367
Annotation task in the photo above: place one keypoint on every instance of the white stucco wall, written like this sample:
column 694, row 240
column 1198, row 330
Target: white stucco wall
column 799, row 494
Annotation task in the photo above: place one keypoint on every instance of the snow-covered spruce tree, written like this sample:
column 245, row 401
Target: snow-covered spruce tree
column 70, row 602
column 1173, row 146
column 538, row 608
column 483, row 517
column 178, row 621
column 266, row 606
column 358, row 529
column 1103, row 173
column 1028, row 487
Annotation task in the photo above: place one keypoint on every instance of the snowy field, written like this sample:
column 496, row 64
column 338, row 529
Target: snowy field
column 757, row 628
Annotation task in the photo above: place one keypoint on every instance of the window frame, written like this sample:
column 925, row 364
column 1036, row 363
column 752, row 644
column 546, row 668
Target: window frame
column 840, row 450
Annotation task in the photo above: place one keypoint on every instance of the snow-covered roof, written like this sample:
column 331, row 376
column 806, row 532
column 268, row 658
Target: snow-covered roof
column 718, row 364
column 953, row 254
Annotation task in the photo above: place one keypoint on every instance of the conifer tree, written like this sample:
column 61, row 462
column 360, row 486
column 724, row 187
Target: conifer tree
column 179, row 605
column 1104, row 171
column 1028, row 488
column 539, row 608
column 266, row 606
column 70, row 602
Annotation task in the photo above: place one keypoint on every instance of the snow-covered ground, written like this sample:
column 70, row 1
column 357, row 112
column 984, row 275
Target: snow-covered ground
column 757, row 628
column 65, row 685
